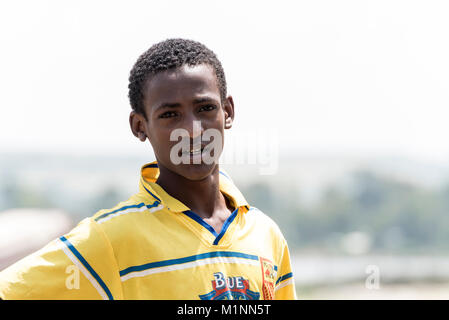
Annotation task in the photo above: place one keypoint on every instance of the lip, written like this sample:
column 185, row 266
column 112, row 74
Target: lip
column 202, row 148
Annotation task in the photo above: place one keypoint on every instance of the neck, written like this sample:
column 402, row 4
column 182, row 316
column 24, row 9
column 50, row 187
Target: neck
column 202, row 196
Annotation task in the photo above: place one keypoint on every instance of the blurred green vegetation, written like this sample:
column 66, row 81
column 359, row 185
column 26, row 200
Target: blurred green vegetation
column 397, row 217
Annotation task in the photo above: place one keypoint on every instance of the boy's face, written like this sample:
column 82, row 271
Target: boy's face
column 174, row 99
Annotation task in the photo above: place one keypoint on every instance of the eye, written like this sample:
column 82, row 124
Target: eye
column 209, row 107
column 168, row 114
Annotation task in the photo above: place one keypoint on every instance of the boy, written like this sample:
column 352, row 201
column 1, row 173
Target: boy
column 188, row 233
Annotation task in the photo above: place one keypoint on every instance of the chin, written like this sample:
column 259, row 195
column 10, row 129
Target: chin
column 195, row 172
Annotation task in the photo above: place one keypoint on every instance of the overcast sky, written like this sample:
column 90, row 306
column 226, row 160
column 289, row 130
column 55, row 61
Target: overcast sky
column 367, row 77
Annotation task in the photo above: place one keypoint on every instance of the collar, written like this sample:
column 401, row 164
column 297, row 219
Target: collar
column 148, row 186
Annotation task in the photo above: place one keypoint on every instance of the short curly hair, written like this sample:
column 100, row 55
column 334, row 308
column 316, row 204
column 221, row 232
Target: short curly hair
column 170, row 54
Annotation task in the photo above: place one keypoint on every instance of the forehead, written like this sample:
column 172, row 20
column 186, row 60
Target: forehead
column 181, row 84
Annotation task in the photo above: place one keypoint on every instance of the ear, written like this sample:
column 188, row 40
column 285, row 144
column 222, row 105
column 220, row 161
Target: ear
column 228, row 108
column 137, row 123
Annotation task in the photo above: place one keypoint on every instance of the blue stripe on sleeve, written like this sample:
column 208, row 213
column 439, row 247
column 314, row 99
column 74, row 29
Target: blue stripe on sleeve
column 136, row 206
column 87, row 266
column 284, row 277
column 140, row 205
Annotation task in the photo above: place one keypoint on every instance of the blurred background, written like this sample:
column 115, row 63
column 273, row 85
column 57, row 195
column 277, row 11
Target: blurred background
column 348, row 100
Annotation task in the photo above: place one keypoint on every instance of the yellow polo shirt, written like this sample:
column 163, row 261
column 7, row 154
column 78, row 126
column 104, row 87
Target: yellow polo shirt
column 152, row 246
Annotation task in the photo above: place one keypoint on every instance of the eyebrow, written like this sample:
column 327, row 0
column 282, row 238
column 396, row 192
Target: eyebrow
column 165, row 105
column 203, row 99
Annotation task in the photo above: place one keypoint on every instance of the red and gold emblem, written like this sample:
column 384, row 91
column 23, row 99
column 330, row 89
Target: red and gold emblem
column 268, row 276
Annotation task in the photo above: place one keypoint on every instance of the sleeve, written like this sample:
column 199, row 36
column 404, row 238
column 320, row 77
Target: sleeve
column 285, row 285
column 78, row 265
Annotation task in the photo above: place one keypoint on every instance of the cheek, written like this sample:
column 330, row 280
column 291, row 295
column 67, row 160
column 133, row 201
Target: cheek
column 156, row 137
column 219, row 120
column 159, row 139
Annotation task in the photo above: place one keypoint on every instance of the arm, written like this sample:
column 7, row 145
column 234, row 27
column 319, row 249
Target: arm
column 79, row 265
column 285, row 284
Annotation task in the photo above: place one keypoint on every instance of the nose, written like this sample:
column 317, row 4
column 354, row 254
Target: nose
column 194, row 127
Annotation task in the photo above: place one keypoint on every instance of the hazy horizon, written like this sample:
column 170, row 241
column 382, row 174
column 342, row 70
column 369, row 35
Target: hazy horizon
column 360, row 77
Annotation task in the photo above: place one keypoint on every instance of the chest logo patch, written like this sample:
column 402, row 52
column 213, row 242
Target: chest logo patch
column 230, row 288
column 268, row 276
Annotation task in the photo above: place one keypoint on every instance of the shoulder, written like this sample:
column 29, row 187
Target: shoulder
column 266, row 223
column 126, row 210
column 127, row 217
column 267, row 233
column 258, row 214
